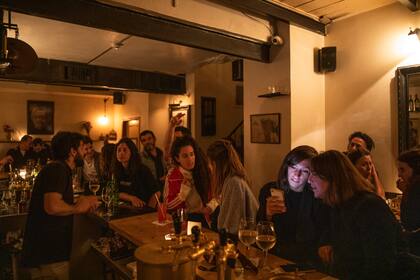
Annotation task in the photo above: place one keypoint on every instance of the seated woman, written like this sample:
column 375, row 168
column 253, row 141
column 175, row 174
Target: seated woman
column 232, row 186
column 301, row 221
column 187, row 184
column 135, row 182
column 362, row 160
column 409, row 184
column 366, row 237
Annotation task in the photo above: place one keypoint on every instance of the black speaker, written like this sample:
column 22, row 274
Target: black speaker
column 238, row 70
column 119, row 97
column 327, row 59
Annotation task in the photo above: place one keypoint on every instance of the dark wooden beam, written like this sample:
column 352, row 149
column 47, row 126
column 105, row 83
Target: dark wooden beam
column 413, row 5
column 67, row 73
column 267, row 9
column 117, row 19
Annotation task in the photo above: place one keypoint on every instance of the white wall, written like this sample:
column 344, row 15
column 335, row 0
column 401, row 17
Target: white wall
column 215, row 80
column 71, row 105
column 262, row 161
column 361, row 94
column 307, row 90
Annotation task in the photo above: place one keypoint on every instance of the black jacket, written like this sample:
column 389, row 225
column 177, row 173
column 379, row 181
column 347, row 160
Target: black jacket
column 302, row 229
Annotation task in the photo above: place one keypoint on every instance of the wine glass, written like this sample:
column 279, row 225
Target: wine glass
column 266, row 239
column 247, row 232
column 94, row 186
column 107, row 199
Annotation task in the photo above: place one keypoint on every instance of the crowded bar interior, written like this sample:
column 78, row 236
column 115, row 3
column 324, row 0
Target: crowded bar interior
column 210, row 139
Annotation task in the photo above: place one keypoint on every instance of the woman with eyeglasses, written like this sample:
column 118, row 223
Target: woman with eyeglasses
column 365, row 236
column 300, row 220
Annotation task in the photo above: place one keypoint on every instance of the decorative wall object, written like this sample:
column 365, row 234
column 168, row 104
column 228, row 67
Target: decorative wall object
column 186, row 110
column 40, row 117
column 265, row 128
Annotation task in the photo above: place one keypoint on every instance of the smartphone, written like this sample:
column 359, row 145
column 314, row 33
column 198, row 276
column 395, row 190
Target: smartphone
column 277, row 193
column 297, row 266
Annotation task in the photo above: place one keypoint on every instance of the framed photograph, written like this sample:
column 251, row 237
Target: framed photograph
column 40, row 117
column 265, row 128
column 186, row 110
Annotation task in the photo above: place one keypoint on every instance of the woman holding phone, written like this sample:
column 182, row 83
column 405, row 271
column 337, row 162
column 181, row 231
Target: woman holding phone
column 299, row 219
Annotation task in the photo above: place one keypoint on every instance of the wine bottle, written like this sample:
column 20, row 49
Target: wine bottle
column 416, row 104
column 411, row 104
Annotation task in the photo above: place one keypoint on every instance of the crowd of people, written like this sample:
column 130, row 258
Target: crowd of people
column 331, row 211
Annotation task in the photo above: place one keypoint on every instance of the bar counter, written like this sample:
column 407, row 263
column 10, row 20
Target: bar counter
column 142, row 230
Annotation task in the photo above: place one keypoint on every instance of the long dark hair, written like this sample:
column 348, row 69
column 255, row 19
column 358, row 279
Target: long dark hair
column 201, row 172
column 412, row 159
column 343, row 177
column 133, row 163
column 107, row 155
column 292, row 158
column 227, row 163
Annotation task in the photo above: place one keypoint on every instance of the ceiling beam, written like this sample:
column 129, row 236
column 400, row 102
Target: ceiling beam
column 413, row 5
column 122, row 20
column 267, row 9
column 67, row 73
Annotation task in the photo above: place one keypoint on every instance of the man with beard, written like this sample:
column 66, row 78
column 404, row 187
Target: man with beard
column 49, row 227
column 152, row 157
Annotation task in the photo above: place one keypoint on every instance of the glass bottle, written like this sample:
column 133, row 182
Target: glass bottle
column 416, row 104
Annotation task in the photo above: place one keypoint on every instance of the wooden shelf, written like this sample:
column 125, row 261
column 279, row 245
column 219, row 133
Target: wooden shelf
column 273, row 94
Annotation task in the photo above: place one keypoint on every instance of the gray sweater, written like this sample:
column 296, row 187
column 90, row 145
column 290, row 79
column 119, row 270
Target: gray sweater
column 237, row 202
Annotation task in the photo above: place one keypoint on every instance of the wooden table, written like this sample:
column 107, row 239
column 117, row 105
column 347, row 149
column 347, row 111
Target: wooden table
column 140, row 230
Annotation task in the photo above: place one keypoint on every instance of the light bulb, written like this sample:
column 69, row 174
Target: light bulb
column 103, row 120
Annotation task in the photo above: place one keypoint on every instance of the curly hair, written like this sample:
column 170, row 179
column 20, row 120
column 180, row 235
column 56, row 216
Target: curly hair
column 201, row 172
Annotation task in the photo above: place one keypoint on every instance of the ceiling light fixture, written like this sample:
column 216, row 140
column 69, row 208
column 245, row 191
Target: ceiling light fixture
column 104, row 119
column 416, row 31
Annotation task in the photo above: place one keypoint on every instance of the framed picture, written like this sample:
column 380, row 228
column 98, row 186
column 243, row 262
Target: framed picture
column 186, row 110
column 40, row 117
column 265, row 128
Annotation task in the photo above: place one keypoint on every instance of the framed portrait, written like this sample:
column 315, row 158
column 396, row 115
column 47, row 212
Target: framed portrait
column 40, row 117
column 186, row 110
column 265, row 128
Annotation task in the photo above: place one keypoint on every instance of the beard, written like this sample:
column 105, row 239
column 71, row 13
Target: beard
column 149, row 147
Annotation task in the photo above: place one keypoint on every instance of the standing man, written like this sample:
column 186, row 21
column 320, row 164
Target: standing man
column 359, row 140
column 152, row 157
column 48, row 234
column 90, row 162
column 22, row 153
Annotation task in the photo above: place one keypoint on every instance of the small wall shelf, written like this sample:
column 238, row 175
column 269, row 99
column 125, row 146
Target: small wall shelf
column 273, row 94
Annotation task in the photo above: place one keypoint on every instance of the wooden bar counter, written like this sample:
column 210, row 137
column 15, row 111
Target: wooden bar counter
column 141, row 230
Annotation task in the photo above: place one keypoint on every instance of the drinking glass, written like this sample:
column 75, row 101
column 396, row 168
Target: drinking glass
column 94, row 186
column 247, row 232
column 107, row 199
column 266, row 239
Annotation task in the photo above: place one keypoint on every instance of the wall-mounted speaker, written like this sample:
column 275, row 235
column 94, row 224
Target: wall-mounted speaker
column 327, row 59
column 119, row 97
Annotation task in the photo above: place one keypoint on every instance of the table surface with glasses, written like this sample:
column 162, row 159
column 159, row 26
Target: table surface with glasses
column 143, row 229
